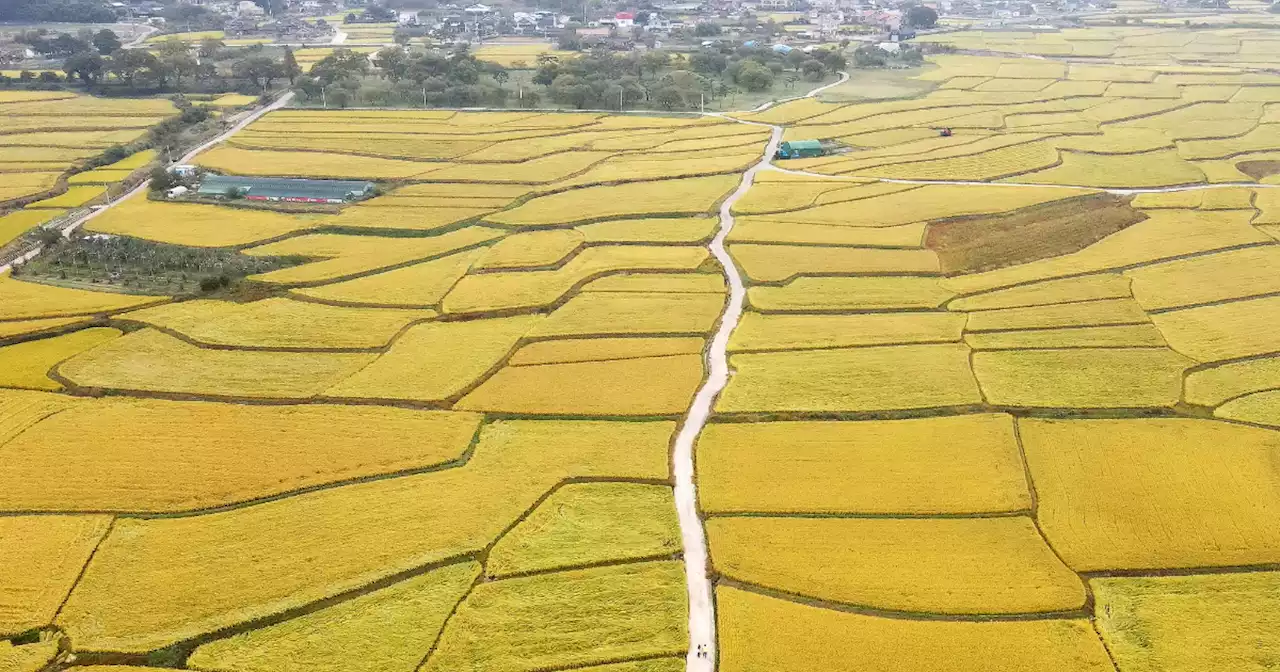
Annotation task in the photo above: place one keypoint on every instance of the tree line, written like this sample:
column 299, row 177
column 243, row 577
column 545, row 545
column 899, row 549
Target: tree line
column 596, row 79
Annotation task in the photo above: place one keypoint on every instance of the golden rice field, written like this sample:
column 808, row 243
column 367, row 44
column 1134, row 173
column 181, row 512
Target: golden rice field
column 987, row 408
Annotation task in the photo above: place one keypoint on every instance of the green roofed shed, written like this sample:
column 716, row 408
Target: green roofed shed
column 285, row 189
column 801, row 149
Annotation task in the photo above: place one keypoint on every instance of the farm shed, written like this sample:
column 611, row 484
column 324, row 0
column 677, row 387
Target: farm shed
column 286, row 189
column 801, row 149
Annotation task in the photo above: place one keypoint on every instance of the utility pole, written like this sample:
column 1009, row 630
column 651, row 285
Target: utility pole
column 424, row 96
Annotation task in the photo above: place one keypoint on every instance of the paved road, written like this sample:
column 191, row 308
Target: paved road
column 70, row 227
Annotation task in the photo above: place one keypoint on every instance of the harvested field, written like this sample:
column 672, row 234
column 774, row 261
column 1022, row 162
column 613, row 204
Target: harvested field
column 196, row 575
column 851, row 379
column 566, row 619
column 148, row 360
column 946, row 465
column 216, row 454
column 935, row 566
column 971, row 244
column 585, row 524
column 764, row 634
column 384, row 631
column 614, row 388
column 1152, row 495
column 668, row 283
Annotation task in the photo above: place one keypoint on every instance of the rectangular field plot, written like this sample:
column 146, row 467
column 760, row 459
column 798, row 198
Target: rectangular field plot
column 567, row 620
column 26, row 300
column 632, row 313
column 280, row 323
column 236, row 161
column 1077, row 314
column 215, row 454
column 486, row 292
column 766, row 634
column 585, row 524
column 758, row 332
column 417, row 286
column 850, row 294
column 437, row 360
column 1149, row 494
column 199, row 574
column 342, row 257
column 650, row 230
column 1068, row 290
column 1217, row 277
column 621, row 387
column 1081, row 377
column 1223, row 331
column 777, row 229
column 39, row 562
column 933, row 566
column 567, row 350
column 388, row 629
column 148, row 360
column 688, row 196
column 1190, row 623
column 962, row 464
column 531, row 249
column 775, row 263
column 854, row 379
column 1120, row 336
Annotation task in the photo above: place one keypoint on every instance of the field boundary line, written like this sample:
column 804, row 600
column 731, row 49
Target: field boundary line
column 899, row 614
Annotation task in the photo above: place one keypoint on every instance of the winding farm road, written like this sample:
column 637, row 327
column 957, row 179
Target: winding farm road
column 70, row 227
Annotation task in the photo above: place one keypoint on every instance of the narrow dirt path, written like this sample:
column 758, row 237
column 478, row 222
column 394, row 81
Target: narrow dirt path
column 702, row 616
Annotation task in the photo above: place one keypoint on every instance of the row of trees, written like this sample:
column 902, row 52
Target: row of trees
column 598, row 79
column 176, row 64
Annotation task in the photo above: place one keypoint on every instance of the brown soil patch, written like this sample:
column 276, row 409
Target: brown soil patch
column 1259, row 169
column 981, row 243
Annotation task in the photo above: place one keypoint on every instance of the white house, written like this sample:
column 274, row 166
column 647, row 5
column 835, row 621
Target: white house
column 248, row 8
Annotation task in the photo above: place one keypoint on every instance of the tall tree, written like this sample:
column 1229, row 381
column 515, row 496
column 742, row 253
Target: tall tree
column 86, row 65
column 289, row 66
column 126, row 64
column 105, row 41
